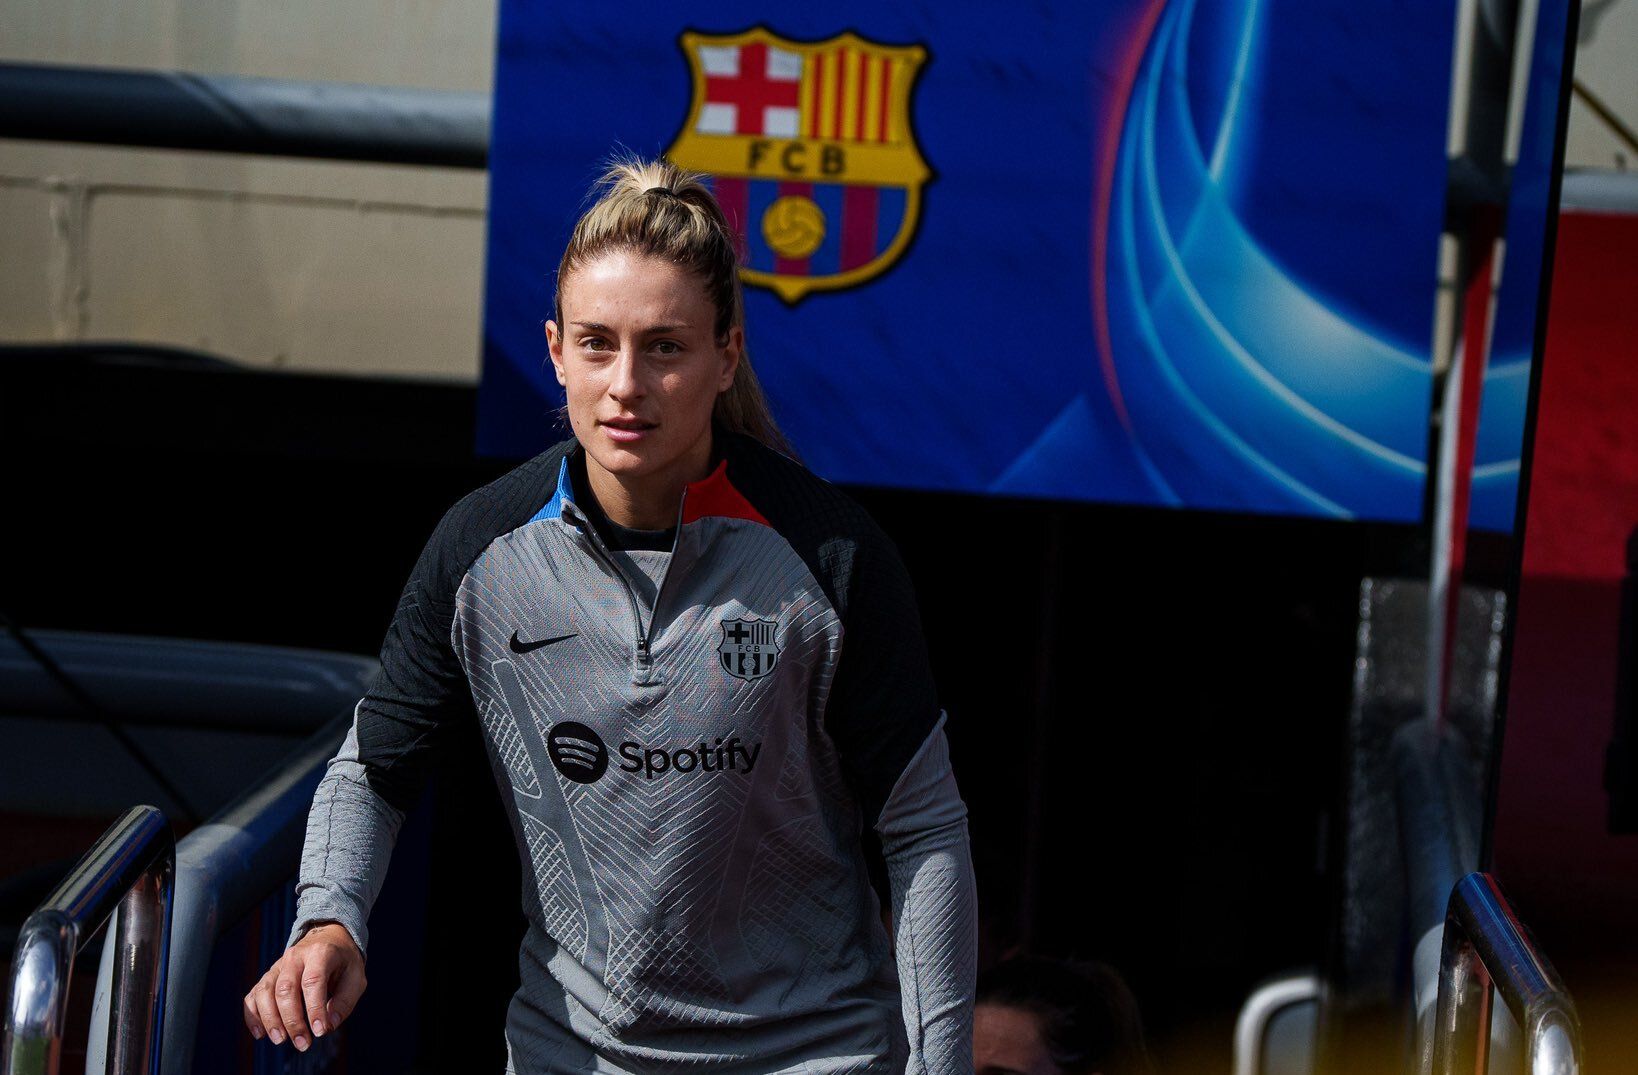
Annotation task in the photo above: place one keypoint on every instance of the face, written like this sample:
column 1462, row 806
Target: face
column 1007, row 1041
column 642, row 366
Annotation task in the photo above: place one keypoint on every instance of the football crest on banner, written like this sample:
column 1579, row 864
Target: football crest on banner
column 748, row 649
column 811, row 152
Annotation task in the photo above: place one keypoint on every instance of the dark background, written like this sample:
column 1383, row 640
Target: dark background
column 1146, row 706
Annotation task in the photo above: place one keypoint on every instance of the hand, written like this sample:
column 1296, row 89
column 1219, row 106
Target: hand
column 309, row 990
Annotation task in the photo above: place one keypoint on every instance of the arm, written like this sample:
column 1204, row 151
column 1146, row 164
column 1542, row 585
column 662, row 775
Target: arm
column 885, row 720
column 377, row 775
column 369, row 785
column 935, row 919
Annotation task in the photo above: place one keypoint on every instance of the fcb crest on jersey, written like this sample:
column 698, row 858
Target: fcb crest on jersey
column 811, row 151
column 748, row 649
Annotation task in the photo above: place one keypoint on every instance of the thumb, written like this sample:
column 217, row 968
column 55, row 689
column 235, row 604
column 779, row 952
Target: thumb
column 349, row 987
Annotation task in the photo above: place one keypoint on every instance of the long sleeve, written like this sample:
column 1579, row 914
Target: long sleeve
column 377, row 775
column 351, row 830
column 889, row 731
column 923, row 828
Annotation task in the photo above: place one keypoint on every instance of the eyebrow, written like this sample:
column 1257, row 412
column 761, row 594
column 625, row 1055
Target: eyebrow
column 598, row 326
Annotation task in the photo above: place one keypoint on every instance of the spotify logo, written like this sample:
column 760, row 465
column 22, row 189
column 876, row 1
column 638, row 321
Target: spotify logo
column 577, row 751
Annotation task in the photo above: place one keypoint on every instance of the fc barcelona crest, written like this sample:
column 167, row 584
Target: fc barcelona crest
column 811, row 151
column 748, row 649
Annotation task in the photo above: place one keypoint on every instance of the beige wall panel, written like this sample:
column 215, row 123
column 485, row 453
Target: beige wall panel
column 102, row 166
column 1606, row 64
column 289, row 284
column 1589, row 143
column 30, row 272
column 435, row 44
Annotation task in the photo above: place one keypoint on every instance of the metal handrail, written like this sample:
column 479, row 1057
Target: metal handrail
column 1259, row 1012
column 1438, row 803
column 131, row 866
column 233, row 114
column 224, row 870
column 1486, row 944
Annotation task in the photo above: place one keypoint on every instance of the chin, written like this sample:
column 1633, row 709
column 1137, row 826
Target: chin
column 632, row 462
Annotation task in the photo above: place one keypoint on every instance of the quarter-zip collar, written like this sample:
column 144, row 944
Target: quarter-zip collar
column 563, row 500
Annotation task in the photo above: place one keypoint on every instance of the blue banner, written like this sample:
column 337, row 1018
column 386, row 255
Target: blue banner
column 1158, row 252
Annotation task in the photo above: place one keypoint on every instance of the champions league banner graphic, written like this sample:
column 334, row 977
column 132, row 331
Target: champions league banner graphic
column 1166, row 252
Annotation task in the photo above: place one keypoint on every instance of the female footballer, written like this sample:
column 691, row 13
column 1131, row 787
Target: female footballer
column 699, row 672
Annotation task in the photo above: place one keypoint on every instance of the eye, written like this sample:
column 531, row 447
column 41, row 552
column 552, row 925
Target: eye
column 668, row 347
column 594, row 343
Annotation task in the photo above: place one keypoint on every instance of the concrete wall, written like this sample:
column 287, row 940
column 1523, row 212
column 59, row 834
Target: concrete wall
column 300, row 264
column 1605, row 61
column 324, row 266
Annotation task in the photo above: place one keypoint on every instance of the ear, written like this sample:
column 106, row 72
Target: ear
column 554, row 346
column 732, row 352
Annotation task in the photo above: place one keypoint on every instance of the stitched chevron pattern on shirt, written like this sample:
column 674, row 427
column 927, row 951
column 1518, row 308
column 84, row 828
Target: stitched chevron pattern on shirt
column 503, row 732
column 793, row 899
column 732, row 898
column 563, row 916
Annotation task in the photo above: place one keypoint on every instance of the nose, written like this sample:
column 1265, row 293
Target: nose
column 625, row 378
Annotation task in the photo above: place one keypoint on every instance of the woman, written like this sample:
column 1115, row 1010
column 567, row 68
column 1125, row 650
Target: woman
column 699, row 672
column 1038, row 1015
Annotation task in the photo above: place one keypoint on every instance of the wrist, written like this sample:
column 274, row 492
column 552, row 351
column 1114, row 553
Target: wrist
column 327, row 931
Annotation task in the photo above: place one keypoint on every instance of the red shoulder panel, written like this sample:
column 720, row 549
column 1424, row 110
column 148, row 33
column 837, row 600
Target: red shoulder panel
column 716, row 495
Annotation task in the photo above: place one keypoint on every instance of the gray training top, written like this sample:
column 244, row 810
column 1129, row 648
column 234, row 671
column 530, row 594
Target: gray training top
column 691, row 742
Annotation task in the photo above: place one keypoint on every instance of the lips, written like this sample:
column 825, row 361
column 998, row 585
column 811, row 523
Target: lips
column 626, row 430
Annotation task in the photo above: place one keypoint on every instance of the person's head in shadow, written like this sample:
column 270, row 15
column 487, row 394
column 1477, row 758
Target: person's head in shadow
column 1040, row 1016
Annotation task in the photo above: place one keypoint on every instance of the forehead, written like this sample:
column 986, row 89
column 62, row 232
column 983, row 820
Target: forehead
column 1009, row 1039
column 632, row 289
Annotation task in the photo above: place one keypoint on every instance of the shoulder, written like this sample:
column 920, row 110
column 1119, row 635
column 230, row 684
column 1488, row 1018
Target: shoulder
column 486, row 513
column 830, row 530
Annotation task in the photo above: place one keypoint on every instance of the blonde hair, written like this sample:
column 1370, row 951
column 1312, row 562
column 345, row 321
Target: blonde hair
column 660, row 210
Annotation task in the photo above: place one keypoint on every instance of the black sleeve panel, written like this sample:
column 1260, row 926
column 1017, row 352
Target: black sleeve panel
column 421, row 688
column 883, row 703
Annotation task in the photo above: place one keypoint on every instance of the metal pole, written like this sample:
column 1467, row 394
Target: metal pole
column 132, row 863
column 229, row 114
column 1486, row 945
column 141, row 947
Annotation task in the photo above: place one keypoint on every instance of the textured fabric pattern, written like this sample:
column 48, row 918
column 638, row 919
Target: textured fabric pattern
column 690, row 762
column 419, row 693
column 350, row 833
column 935, row 915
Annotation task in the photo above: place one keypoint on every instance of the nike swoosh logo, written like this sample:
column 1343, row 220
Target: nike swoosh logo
column 520, row 646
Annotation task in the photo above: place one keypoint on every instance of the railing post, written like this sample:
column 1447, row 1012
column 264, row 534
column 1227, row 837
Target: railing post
column 131, row 864
column 142, row 943
column 1486, row 945
column 39, row 994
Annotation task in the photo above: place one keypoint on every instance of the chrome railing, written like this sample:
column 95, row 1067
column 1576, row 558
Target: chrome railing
column 1294, row 999
column 131, row 867
column 1439, row 804
column 1486, row 945
column 224, row 870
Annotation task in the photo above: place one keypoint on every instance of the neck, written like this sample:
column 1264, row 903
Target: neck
column 648, row 501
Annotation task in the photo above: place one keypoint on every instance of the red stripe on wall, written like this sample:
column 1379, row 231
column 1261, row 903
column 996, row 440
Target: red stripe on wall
column 858, row 226
column 793, row 266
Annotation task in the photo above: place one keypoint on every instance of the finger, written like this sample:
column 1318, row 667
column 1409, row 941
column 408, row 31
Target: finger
column 268, row 1011
column 348, row 989
column 287, row 995
column 315, row 985
column 253, row 1020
